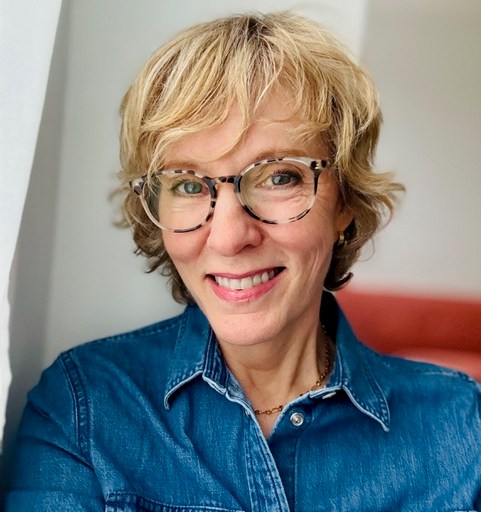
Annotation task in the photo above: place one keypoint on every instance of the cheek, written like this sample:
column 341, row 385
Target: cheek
column 182, row 247
column 309, row 241
column 314, row 240
column 328, row 206
column 322, row 222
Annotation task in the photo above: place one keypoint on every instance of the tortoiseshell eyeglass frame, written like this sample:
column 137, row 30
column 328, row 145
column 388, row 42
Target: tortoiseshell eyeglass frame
column 317, row 166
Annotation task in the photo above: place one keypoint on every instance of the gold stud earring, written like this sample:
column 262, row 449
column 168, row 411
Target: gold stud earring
column 341, row 240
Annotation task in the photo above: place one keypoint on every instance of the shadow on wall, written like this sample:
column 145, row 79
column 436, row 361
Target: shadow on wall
column 34, row 252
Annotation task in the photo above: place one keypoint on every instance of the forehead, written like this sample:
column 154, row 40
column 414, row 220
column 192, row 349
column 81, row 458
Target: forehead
column 276, row 130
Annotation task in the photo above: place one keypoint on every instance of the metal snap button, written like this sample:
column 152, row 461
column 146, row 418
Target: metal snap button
column 297, row 419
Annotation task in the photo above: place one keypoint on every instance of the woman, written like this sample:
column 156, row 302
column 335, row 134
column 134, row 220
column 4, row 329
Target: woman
column 247, row 147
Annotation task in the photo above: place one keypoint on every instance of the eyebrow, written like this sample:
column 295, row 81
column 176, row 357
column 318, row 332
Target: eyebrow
column 278, row 153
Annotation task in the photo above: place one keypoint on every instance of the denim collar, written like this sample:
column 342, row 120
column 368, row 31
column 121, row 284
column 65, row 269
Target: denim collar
column 197, row 354
column 356, row 367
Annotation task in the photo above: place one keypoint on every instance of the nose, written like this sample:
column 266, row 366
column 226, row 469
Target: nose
column 231, row 228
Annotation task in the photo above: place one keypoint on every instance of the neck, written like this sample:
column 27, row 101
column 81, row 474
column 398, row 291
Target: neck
column 274, row 372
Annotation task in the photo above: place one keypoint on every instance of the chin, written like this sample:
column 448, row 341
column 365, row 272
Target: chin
column 243, row 331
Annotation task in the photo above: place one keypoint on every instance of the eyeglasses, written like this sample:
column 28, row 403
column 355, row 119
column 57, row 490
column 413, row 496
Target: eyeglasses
column 274, row 191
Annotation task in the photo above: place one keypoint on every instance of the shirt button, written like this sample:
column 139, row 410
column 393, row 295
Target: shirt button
column 297, row 419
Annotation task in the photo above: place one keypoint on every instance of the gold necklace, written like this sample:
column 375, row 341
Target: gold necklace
column 322, row 376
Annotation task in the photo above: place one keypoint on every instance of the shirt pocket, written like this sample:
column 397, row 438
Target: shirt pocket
column 130, row 502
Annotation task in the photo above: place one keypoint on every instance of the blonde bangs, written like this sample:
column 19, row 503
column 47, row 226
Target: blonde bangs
column 192, row 83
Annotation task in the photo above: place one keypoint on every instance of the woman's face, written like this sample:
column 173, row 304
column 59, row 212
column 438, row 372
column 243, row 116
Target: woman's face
column 294, row 257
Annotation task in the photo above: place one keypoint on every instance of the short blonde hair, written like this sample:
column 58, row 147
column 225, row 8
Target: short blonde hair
column 192, row 82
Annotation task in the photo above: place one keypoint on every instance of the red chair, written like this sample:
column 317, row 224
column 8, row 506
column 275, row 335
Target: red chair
column 433, row 329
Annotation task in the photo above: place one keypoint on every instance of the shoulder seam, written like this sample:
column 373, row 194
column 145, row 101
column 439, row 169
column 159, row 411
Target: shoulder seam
column 138, row 333
column 421, row 367
column 79, row 399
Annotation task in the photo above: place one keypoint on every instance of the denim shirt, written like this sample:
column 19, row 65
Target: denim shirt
column 153, row 420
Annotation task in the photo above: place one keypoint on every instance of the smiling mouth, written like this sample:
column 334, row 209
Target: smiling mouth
column 246, row 283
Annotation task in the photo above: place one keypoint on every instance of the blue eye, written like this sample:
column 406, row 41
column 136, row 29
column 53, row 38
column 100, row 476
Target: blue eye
column 284, row 178
column 188, row 187
column 191, row 187
column 277, row 176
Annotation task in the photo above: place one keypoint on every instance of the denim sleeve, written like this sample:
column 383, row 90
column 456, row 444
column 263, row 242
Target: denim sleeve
column 477, row 502
column 52, row 469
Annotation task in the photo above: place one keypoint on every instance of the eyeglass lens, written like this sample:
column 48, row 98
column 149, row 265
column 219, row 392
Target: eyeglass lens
column 276, row 192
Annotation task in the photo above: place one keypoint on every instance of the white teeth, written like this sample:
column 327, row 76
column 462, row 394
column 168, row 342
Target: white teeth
column 246, row 282
column 234, row 284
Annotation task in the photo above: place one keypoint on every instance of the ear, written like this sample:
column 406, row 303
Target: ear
column 344, row 219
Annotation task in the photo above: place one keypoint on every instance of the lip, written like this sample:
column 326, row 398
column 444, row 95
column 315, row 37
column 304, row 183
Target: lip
column 246, row 274
column 243, row 295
